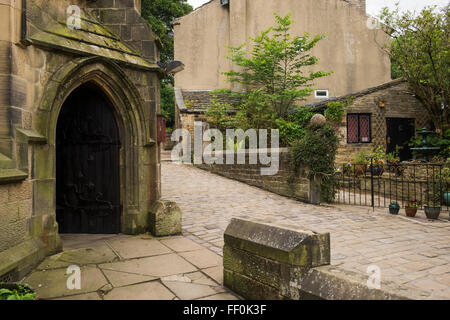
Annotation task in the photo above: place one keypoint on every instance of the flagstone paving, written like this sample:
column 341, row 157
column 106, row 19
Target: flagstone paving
column 121, row 267
column 413, row 252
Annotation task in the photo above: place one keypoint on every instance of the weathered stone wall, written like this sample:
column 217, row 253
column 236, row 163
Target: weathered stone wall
column 15, row 212
column 265, row 261
column 38, row 70
column 285, row 182
column 399, row 103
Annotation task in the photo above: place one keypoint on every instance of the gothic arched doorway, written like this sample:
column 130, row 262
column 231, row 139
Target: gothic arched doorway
column 87, row 164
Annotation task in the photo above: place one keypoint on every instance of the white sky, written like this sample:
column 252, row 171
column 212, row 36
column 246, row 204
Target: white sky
column 374, row 6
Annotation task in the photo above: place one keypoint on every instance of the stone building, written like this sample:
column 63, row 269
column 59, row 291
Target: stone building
column 387, row 115
column 79, row 100
column 352, row 48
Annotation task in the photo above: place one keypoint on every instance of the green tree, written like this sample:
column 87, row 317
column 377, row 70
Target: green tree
column 278, row 65
column 420, row 53
column 160, row 15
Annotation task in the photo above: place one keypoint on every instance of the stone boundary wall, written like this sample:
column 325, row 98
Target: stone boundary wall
column 263, row 261
column 285, row 182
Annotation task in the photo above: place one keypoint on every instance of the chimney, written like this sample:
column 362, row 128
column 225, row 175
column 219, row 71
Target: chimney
column 361, row 4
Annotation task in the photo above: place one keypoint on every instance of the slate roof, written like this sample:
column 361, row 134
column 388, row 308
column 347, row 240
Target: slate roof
column 320, row 105
column 198, row 101
column 45, row 26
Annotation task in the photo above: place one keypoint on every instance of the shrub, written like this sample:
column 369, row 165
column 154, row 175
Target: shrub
column 317, row 151
column 19, row 293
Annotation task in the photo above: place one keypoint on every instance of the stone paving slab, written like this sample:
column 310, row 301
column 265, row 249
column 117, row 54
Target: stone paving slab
column 53, row 283
column 158, row 266
column 121, row 267
column 414, row 252
column 81, row 257
column 144, row 291
column 136, row 247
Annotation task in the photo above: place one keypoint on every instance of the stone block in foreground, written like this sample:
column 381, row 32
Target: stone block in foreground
column 264, row 261
column 165, row 218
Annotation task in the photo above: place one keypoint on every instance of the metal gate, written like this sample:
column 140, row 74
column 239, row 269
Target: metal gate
column 87, row 165
column 368, row 185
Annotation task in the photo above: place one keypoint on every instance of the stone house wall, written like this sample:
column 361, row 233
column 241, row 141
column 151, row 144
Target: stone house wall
column 351, row 49
column 399, row 103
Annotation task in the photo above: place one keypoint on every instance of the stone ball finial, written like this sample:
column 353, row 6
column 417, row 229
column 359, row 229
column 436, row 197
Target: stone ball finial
column 318, row 120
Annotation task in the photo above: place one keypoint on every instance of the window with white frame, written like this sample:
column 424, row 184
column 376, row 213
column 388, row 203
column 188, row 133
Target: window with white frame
column 321, row 94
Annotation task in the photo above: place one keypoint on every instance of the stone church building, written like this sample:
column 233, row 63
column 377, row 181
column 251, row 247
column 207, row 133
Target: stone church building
column 78, row 124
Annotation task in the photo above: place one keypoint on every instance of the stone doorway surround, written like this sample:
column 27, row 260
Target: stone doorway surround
column 135, row 135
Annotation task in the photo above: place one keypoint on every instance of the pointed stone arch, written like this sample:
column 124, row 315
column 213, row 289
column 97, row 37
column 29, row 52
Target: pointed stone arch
column 133, row 119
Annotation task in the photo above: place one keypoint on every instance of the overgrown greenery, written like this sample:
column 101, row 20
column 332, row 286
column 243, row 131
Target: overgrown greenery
column 420, row 53
column 275, row 77
column 160, row 15
column 275, row 70
column 168, row 103
column 317, row 151
column 19, row 293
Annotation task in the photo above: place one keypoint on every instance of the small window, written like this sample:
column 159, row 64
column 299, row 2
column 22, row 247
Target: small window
column 359, row 128
column 321, row 94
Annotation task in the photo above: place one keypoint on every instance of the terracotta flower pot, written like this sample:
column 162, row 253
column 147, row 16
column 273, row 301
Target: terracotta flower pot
column 360, row 169
column 411, row 211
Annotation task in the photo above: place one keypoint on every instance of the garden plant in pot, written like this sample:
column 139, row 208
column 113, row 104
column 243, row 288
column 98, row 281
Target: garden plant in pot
column 360, row 163
column 445, row 176
column 393, row 162
column 394, row 207
column 411, row 208
column 433, row 207
column 377, row 157
column 432, row 210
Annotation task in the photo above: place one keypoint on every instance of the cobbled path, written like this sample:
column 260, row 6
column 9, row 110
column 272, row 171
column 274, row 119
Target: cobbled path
column 413, row 252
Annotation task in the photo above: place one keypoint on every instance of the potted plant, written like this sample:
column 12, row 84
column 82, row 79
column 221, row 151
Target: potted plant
column 394, row 207
column 347, row 168
column 393, row 162
column 445, row 175
column 360, row 162
column 411, row 208
column 433, row 207
column 432, row 210
column 13, row 291
column 377, row 157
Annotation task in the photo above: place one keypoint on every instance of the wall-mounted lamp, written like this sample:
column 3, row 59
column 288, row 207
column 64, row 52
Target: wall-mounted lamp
column 171, row 67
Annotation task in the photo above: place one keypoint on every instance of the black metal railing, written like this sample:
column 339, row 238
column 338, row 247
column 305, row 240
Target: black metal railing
column 377, row 186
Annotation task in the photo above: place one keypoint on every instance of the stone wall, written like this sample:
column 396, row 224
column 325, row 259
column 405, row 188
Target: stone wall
column 41, row 62
column 285, row 182
column 263, row 261
column 15, row 213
